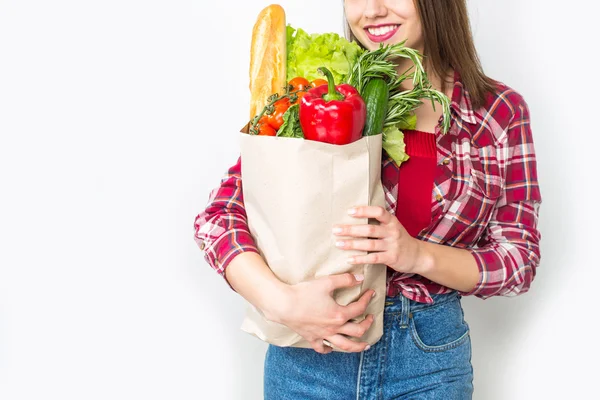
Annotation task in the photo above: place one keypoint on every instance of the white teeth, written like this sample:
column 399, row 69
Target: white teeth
column 380, row 31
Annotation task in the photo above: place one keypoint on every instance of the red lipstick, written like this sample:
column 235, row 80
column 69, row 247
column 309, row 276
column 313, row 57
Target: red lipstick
column 385, row 36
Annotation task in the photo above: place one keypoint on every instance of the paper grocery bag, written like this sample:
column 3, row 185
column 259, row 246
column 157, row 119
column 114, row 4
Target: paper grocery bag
column 295, row 190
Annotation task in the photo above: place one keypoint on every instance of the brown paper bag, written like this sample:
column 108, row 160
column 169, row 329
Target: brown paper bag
column 294, row 191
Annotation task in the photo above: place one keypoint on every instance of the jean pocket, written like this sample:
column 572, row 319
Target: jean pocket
column 439, row 327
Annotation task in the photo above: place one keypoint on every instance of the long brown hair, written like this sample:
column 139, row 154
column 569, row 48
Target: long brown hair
column 449, row 44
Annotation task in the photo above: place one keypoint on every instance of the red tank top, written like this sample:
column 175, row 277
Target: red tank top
column 415, row 181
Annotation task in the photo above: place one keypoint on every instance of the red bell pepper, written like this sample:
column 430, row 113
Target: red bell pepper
column 332, row 114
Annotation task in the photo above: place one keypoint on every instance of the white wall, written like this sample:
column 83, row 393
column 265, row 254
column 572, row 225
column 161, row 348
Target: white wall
column 540, row 345
column 118, row 117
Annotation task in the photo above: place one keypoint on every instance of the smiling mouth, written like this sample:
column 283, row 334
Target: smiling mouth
column 382, row 30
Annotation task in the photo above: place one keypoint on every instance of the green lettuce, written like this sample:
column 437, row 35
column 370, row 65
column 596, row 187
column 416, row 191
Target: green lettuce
column 407, row 121
column 291, row 123
column 393, row 144
column 393, row 138
column 307, row 52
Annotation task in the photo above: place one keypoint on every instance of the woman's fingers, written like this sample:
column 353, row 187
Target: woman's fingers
column 320, row 347
column 380, row 257
column 343, row 280
column 358, row 307
column 346, row 344
column 379, row 213
column 363, row 231
column 357, row 329
column 364, row 245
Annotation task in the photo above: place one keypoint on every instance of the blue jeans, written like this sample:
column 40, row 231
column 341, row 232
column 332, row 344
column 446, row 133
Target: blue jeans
column 424, row 353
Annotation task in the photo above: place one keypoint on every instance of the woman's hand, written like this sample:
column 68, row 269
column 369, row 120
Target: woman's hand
column 309, row 309
column 388, row 243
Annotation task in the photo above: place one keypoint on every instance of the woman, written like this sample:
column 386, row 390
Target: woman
column 461, row 220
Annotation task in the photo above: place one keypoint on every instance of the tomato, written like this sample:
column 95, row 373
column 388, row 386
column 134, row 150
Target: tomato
column 275, row 119
column 264, row 129
column 318, row 82
column 299, row 83
column 300, row 96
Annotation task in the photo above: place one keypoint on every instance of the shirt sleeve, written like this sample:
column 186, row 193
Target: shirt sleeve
column 508, row 252
column 221, row 230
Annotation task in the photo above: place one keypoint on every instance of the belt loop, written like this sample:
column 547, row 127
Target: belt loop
column 405, row 312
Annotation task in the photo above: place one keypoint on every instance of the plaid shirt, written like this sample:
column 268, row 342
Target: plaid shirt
column 485, row 199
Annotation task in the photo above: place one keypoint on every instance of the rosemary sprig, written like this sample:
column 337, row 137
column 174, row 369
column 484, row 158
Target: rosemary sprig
column 379, row 63
column 401, row 103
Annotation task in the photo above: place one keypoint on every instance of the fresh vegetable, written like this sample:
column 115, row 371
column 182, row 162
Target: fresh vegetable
column 332, row 114
column 408, row 121
column 264, row 129
column 318, row 82
column 300, row 95
column 369, row 72
column 305, row 53
column 291, row 123
column 299, row 83
column 393, row 144
column 375, row 95
column 273, row 111
column 380, row 63
column 275, row 119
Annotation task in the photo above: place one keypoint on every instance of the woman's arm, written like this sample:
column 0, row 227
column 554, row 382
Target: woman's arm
column 389, row 243
column 222, row 233
column 221, row 230
column 448, row 266
column 507, row 255
column 504, row 263
column 251, row 277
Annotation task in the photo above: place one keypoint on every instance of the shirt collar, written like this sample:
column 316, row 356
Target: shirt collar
column 461, row 101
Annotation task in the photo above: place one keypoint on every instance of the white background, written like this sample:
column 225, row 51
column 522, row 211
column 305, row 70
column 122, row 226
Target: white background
column 117, row 117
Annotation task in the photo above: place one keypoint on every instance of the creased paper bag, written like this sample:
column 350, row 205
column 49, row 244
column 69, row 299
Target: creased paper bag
column 294, row 191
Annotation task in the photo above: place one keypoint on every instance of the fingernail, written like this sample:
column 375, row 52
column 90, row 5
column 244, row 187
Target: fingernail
column 367, row 347
column 374, row 293
column 359, row 277
column 339, row 244
column 337, row 230
column 352, row 211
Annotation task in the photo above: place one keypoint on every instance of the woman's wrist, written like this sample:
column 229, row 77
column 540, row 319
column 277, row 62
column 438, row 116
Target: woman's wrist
column 251, row 277
column 274, row 302
column 448, row 266
column 424, row 260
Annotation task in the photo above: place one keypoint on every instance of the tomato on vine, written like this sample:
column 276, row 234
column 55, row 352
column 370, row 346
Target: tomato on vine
column 275, row 119
column 299, row 83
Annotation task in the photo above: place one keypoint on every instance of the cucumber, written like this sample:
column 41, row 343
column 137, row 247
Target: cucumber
column 375, row 94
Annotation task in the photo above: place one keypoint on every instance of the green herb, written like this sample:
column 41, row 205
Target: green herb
column 379, row 63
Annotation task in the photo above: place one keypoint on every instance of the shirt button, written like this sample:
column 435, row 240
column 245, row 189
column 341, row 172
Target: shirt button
column 446, row 161
column 439, row 198
column 202, row 246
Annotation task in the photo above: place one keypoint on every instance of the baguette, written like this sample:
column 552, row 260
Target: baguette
column 268, row 57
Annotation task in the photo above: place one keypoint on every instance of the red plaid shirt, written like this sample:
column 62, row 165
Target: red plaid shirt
column 485, row 199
